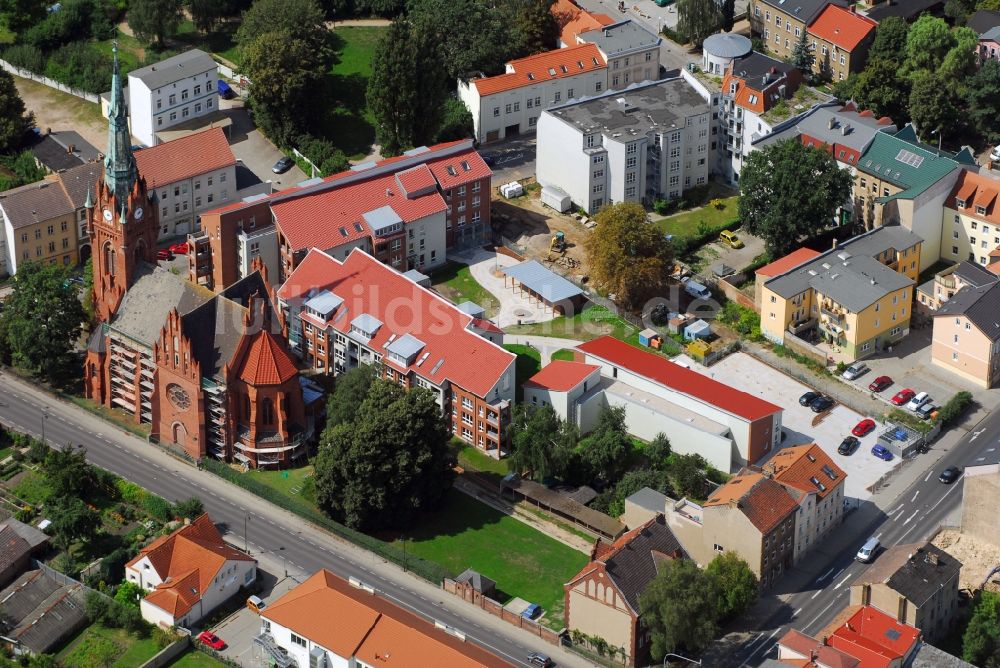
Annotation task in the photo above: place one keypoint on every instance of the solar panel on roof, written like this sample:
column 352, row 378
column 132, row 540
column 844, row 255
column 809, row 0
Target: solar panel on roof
column 909, row 158
column 892, row 634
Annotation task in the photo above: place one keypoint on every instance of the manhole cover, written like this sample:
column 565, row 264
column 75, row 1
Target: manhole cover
column 521, row 313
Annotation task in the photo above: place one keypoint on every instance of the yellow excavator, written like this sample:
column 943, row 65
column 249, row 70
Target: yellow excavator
column 557, row 246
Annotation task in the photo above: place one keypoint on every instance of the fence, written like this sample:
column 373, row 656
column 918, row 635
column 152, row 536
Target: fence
column 480, row 600
column 428, row 570
column 51, row 83
column 733, row 293
column 166, row 655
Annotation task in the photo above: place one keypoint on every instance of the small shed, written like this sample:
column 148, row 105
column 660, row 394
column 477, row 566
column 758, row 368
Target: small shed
column 478, row 583
column 473, row 309
column 676, row 324
column 699, row 349
column 699, row 329
column 556, row 198
column 649, row 338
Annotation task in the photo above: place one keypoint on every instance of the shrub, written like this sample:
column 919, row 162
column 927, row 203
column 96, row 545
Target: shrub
column 955, row 407
column 25, row 56
column 97, row 606
column 191, row 508
column 78, row 65
column 130, row 492
column 158, row 508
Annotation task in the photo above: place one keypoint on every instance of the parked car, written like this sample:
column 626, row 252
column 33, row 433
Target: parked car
column 880, row 383
column 697, row 290
column 995, row 154
column 730, row 239
column 821, row 403
column 856, row 370
column 532, row 611
column 864, row 427
column 808, row 398
column 917, row 401
column 848, row 446
column 212, row 640
column 927, row 411
column 180, row 249
column 903, row 396
column 882, row 452
column 283, row 165
column 950, row 475
column 256, row 603
column 164, row 254
column 225, row 91
column 539, row 659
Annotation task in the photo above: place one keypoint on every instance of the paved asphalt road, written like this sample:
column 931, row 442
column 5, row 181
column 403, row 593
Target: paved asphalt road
column 913, row 517
column 268, row 527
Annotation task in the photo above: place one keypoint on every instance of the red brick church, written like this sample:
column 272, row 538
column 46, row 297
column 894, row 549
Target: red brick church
column 211, row 373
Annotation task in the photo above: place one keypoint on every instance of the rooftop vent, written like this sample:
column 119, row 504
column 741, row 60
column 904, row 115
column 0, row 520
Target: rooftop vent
column 832, row 123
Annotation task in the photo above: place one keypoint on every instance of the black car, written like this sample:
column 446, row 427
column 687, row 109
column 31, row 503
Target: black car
column 821, row 403
column 808, row 398
column 950, row 475
column 283, row 165
column 848, row 445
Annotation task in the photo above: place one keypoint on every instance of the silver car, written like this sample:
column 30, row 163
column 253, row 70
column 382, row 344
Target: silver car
column 856, row 370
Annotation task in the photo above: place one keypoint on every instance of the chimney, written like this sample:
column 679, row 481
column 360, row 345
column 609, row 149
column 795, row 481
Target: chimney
column 932, row 558
column 846, row 130
column 832, row 123
column 734, row 503
column 71, row 148
column 825, row 640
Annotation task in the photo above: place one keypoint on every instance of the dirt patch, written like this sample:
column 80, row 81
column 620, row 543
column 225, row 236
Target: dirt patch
column 978, row 558
column 62, row 111
column 531, row 225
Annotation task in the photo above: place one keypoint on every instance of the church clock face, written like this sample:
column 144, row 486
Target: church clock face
column 178, row 397
column 138, row 213
column 107, row 214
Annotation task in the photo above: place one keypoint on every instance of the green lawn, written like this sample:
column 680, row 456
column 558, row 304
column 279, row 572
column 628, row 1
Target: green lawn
column 471, row 457
column 455, row 281
column 195, row 659
column 566, row 354
column 527, row 364
column 523, row 561
column 6, row 36
column 99, row 647
column 685, row 224
column 32, row 488
column 592, row 322
column 130, row 51
column 291, row 482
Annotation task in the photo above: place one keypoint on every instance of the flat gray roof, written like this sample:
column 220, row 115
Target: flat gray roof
column 832, row 125
column 368, row 324
column 381, row 218
column 471, row 308
column 657, row 105
column 545, row 283
column 174, row 68
column 406, row 346
column 650, row 499
column 324, row 302
column 620, row 38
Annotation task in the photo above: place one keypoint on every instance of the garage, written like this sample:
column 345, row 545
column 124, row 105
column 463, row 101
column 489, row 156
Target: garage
column 511, row 131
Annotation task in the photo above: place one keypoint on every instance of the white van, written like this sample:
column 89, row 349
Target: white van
column 697, row 290
column 868, row 550
column 918, row 401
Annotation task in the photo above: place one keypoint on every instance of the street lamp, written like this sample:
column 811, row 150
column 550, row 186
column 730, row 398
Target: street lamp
column 284, row 559
column 404, row 553
column 45, row 416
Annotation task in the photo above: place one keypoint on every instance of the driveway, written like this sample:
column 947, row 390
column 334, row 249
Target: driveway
column 717, row 254
column 255, row 150
column 515, row 308
column 512, row 159
column 801, row 425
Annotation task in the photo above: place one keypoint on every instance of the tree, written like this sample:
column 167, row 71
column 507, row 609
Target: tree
column 802, row 56
column 678, row 607
column 471, row 35
column 981, row 642
column 72, row 520
column 389, row 463
column 728, row 14
column 697, row 19
column 540, row 442
column 69, row 474
column 927, row 43
column 989, row 5
column 15, row 120
column 608, row 448
column 932, row 107
column 17, row 15
column 407, row 88
column 129, row 593
column 882, row 89
column 349, row 393
column 456, row 121
column 687, row 476
column 890, row 40
column 960, row 61
column 207, row 13
column 982, row 100
column 959, row 10
column 658, row 451
column 41, row 319
column 735, row 583
column 781, row 206
column 536, row 26
column 302, row 20
column 154, row 20
column 628, row 256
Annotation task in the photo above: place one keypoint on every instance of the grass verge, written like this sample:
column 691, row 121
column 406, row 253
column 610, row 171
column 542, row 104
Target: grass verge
column 110, row 415
column 97, row 645
column 472, row 458
column 527, row 364
column 592, row 322
column 566, row 354
column 455, row 282
column 686, row 225
column 195, row 659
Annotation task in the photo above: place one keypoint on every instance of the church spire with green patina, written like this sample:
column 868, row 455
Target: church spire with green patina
column 120, row 172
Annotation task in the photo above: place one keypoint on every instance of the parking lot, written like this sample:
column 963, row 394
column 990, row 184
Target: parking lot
column 801, row 425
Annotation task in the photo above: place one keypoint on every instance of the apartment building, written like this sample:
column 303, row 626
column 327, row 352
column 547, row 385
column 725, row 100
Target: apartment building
column 970, row 227
column 371, row 631
column 932, row 294
column 781, row 23
column 40, row 225
column 648, row 142
column 966, row 336
column 861, row 637
column 190, row 175
column 346, row 312
column 631, row 52
column 573, row 20
column 173, row 91
column 80, row 184
column 856, row 296
column 840, row 39
column 917, row 584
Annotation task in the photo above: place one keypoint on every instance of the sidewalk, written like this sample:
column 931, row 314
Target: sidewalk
column 545, row 345
column 515, row 308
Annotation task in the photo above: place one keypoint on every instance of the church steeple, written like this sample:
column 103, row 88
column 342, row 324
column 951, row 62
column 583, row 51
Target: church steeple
column 120, row 172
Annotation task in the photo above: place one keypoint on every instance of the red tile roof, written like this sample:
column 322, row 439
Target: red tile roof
column 561, row 375
column 842, row 27
column 573, row 20
column 788, row 262
column 875, row 638
column 800, row 643
column 680, row 379
column 763, row 501
column 267, row 362
column 556, row 64
column 415, row 180
column 799, row 465
column 184, row 158
column 454, row 353
column 976, row 190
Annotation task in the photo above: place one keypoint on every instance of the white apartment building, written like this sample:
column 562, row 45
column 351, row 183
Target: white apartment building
column 970, row 228
column 188, row 175
column 171, row 92
column 647, row 142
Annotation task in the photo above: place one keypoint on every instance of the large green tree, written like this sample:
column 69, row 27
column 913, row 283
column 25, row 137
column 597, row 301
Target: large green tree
column 389, row 463
column 628, row 256
column 207, row 13
column 697, row 19
column 981, row 641
column 472, row 36
column 789, row 191
column 932, row 107
column 298, row 19
column 536, row 26
column 802, row 56
column 927, row 43
column 737, row 585
column 349, row 393
column 678, row 607
column 41, row 319
column 407, row 88
column 72, row 520
column 882, row 89
column 154, row 20
column 607, row 449
column 983, row 100
column 17, row 15
column 541, row 443
column 890, row 40
column 69, row 474
column 14, row 118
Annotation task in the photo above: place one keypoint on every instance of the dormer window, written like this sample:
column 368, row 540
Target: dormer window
column 981, row 210
column 960, row 203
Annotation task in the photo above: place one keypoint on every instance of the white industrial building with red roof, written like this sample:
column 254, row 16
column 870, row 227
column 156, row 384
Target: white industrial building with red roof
column 726, row 426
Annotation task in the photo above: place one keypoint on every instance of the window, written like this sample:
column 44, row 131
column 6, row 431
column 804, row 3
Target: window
column 558, row 96
column 172, row 100
column 184, row 112
column 538, row 101
column 598, row 159
column 599, row 188
column 630, row 163
column 530, row 103
column 954, row 250
column 842, row 59
column 598, row 173
column 496, row 111
column 630, row 177
column 300, row 641
column 569, row 95
column 632, row 148
column 615, row 81
column 173, row 115
column 598, row 86
column 197, row 108
column 507, row 109
column 197, row 90
column 630, row 191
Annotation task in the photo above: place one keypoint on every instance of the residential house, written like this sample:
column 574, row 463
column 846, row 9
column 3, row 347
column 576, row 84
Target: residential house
column 780, row 266
column 602, row 600
column 727, row 427
column 40, row 611
column 980, row 490
column 817, row 484
column 63, row 149
column 39, row 225
column 908, row 10
column 917, row 584
column 840, row 39
column 648, row 142
column 857, row 296
column 173, row 91
column 370, row 630
column 861, row 637
column 188, row 574
column 407, row 211
column 573, row 20
column 966, row 337
column 343, row 313
column 982, row 20
column 988, row 47
column 80, row 184
column 970, row 227
column 782, row 23
column 753, row 516
column 190, row 175
column 631, row 52
column 946, row 283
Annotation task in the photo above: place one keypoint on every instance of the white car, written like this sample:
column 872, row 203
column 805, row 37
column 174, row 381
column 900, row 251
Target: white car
column 995, row 154
column 918, row 401
column 856, row 370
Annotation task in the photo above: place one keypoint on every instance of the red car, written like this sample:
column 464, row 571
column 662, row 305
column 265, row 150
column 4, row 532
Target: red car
column 864, row 427
column 212, row 640
column 880, row 383
column 164, row 255
column 903, row 396
column 179, row 249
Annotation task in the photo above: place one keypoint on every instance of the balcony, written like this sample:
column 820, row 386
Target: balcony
column 833, row 312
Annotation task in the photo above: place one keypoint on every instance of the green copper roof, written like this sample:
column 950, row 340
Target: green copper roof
column 120, row 172
column 904, row 162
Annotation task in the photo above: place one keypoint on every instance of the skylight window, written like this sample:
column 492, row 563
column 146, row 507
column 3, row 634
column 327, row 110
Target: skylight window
column 357, row 226
column 465, row 166
column 552, row 71
column 451, row 170
column 909, row 158
column 343, row 231
column 531, row 77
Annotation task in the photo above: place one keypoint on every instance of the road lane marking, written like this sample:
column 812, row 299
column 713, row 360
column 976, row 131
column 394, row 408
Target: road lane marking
column 754, row 641
column 990, row 449
column 796, row 613
column 899, row 514
column 915, row 496
column 980, row 459
column 910, row 518
column 976, row 434
column 841, row 583
column 823, row 577
column 773, row 633
column 818, row 592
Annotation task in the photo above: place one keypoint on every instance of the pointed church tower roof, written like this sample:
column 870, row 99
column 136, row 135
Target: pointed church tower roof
column 267, row 362
column 120, row 173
